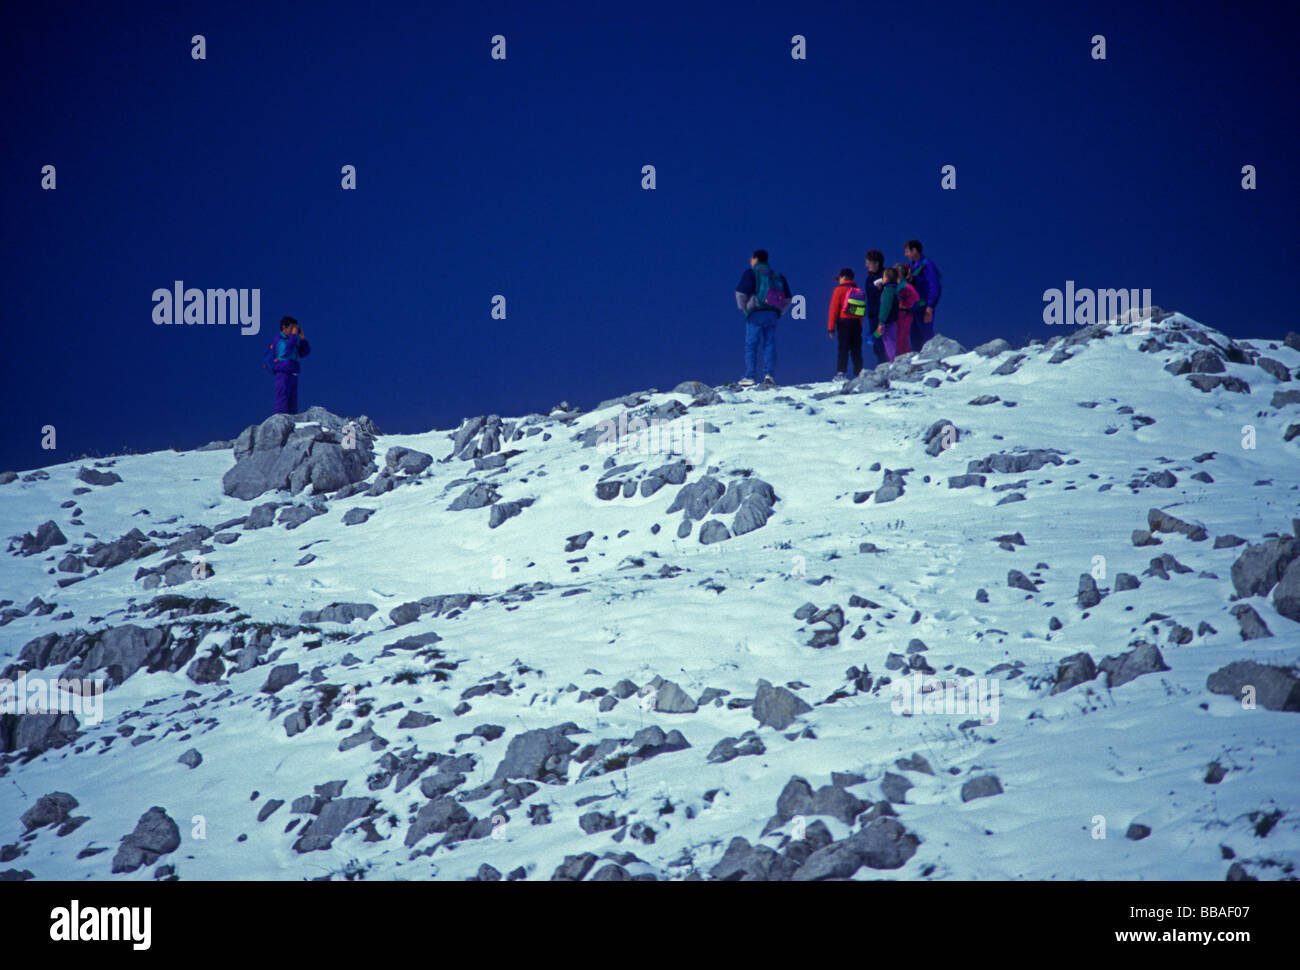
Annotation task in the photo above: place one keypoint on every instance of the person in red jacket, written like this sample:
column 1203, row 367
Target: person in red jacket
column 842, row 320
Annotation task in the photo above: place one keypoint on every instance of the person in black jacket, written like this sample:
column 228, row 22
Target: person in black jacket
column 875, row 280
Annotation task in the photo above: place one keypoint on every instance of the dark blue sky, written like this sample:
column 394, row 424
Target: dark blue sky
column 523, row 178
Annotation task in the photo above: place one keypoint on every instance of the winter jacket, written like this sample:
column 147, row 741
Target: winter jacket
column 837, row 301
column 284, row 352
column 907, row 299
column 888, row 310
column 873, row 294
column 926, row 280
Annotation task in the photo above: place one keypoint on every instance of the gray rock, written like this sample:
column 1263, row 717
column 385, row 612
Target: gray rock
column 993, row 347
column 269, row 809
column 882, row 844
column 1014, row 462
column 1286, row 595
column 834, row 801
column 191, row 759
column 777, row 707
column 574, row 867
column 981, row 786
column 35, row 733
column 713, row 531
column 92, row 476
column 1018, row 580
column 1088, row 595
column 537, row 753
column 894, row 787
column 206, row 670
column 729, row 748
column 938, row 347
column 407, row 461
column 671, row 699
column 866, row 382
column 1274, row 688
column 1073, row 670
column 335, row 815
column 1126, row 581
column 577, row 543
column 593, row 822
column 47, row 534
column 1010, row 365
column 261, row 516
column 1144, row 658
column 1161, row 521
column 155, row 835
column 276, row 455
column 1252, row 624
column 338, row 613
column 475, row 497
column 357, row 515
column 1274, row 367
column 1259, row 568
column 51, row 809
column 743, row 861
column 505, row 510
column 280, row 677
column 405, row 613
column 697, row 498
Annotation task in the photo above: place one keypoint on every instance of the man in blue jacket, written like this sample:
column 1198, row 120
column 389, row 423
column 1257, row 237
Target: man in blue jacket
column 926, row 282
column 281, row 358
column 760, row 318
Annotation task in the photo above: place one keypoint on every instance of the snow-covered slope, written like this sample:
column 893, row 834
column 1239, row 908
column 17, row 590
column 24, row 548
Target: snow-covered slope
column 636, row 628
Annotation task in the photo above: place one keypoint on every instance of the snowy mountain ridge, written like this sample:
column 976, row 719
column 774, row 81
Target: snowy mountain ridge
column 908, row 627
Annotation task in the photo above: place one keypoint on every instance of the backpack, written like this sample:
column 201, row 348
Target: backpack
column 903, row 290
column 771, row 291
column 854, row 304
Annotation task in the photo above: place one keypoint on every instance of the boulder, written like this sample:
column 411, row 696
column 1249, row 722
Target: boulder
column 325, row 454
column 47, row 534
column 777, row 707
column 155, row 835
column 406, row 461
column 1274, row 688
column 1286, row 595
column 1259, row 568
column 51, row 809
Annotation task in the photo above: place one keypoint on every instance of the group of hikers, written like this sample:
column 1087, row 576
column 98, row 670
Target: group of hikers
column 896, row 304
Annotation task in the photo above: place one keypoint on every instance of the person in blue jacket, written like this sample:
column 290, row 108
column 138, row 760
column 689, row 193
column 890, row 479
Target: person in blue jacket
column 281, row 359
column 929, row 285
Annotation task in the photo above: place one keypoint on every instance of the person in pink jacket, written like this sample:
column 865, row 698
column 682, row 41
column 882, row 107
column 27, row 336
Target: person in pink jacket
column 907, row 298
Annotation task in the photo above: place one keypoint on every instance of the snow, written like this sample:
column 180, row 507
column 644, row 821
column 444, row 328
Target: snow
column 1137, row 753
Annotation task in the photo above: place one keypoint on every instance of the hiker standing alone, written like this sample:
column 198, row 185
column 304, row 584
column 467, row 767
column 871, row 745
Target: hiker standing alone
column 761, row 295
column 281, row 358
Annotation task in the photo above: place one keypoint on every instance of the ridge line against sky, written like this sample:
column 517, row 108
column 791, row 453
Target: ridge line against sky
column 522, row 178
